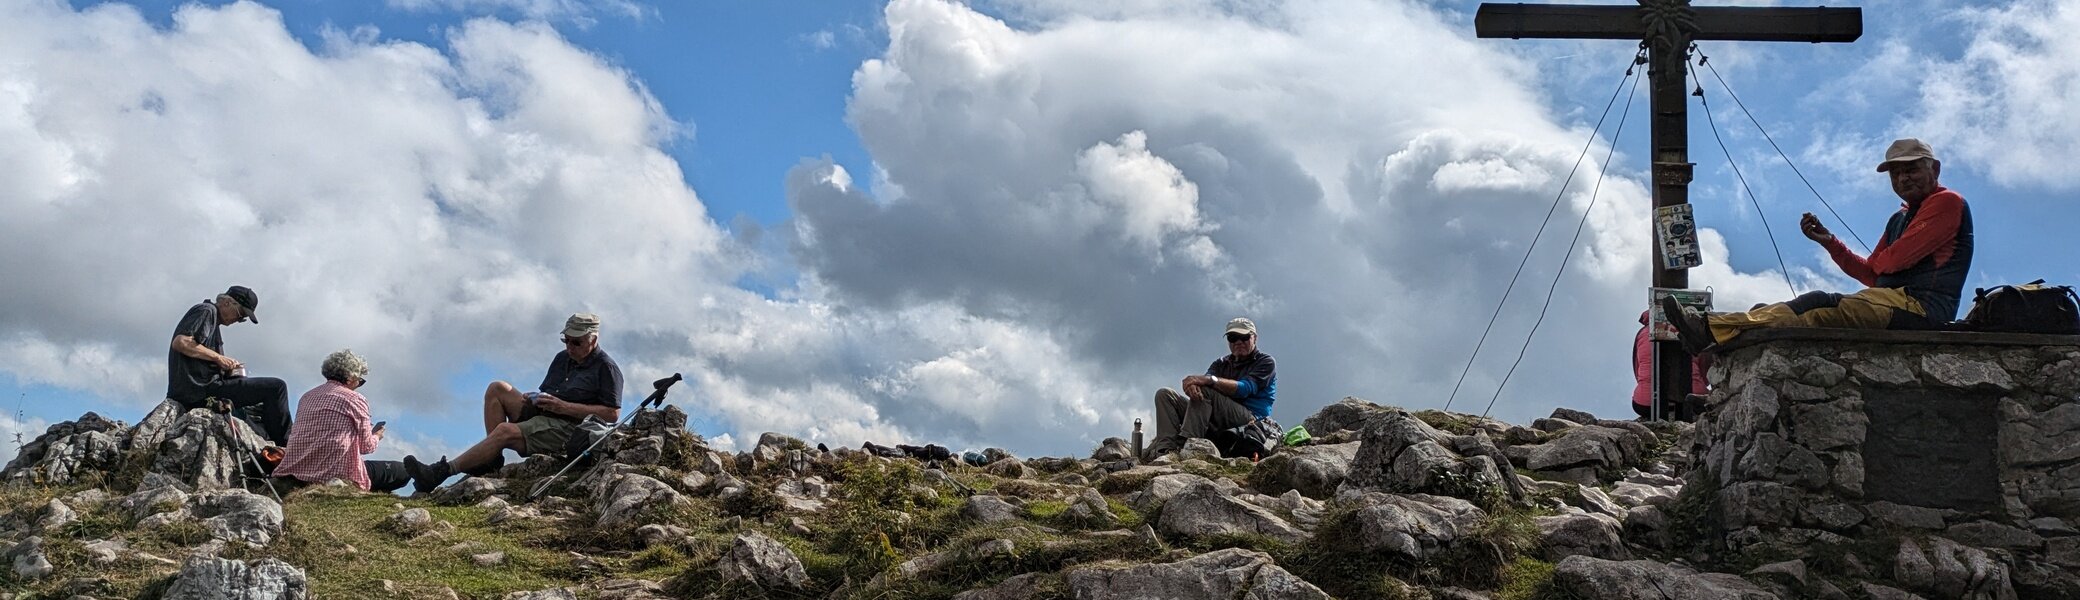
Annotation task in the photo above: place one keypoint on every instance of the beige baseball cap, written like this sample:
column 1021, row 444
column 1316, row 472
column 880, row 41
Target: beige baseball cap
column 581, row 324
column 1241, row 325
column 1906, row 151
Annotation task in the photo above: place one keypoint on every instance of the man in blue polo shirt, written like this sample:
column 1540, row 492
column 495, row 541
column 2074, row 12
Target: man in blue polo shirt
column 583, row 381
column 1236, row 389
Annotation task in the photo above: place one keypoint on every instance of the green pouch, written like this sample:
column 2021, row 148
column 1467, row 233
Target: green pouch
column 1297, row 436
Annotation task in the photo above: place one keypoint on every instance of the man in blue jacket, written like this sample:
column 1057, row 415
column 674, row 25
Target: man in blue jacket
column 1236, row 389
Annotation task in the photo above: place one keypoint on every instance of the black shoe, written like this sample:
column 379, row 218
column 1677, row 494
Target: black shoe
column 1694, row 332
column 426, row 477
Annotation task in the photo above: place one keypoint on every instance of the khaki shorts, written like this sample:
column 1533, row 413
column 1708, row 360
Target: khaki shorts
column 545, row 434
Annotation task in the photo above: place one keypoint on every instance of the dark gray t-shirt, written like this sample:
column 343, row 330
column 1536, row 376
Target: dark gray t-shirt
column 187, row 376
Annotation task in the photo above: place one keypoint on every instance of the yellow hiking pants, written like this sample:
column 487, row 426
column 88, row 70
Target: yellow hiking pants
column 1872, row 308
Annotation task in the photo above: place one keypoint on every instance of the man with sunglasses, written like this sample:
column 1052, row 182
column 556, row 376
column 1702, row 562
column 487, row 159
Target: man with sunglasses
column 197, row 369
column 1236, row 389
column 582, row 381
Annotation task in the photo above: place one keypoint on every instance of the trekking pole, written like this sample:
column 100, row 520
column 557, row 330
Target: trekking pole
column 231, row 428
column 656, row 398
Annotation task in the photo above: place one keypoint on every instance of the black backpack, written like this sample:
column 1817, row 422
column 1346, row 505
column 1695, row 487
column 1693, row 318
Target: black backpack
column 2028, row 308
column 1256, row 439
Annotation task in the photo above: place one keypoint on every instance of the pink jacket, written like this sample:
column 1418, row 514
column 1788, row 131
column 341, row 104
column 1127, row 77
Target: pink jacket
column 1643, row 367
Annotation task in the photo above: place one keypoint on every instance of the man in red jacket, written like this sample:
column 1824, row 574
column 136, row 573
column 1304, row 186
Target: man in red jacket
column 1916, row 273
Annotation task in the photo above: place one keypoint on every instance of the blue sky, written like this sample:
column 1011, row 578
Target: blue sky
column 992, row 223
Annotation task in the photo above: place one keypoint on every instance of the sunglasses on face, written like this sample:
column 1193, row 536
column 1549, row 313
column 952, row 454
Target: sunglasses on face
column 573, row 341
column 1237, row 337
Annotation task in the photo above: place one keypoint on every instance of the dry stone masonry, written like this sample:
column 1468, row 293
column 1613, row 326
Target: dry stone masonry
column 1962, row 448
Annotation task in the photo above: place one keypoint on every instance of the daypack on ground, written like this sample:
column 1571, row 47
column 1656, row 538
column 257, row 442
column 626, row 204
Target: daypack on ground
column 1257, row 438
column 2028, row 308
column 590, row 431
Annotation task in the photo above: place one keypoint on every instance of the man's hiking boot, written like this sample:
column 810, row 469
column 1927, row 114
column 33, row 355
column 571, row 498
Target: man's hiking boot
column 1692, row 329
column 426, row 477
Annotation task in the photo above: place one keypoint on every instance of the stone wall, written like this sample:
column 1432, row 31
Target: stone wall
column 1818, row 436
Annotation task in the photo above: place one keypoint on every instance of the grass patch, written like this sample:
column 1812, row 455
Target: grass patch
column 1530, row 579
column 318, row 528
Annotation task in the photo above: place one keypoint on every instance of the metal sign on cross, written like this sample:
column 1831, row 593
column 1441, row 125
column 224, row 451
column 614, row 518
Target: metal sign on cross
column 1668, row 27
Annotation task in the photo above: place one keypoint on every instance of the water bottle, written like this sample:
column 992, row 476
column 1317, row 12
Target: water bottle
column 1137, row 440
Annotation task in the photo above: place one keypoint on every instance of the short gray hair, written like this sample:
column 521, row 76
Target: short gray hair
column 343, row 365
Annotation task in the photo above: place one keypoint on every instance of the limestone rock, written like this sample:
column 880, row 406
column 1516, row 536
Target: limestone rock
column 1090, row 509
column 1593, row 447
column 1589, row 577
column 1630, row 495
column 1578, row 416
column 1595, row 536
column 1162, row 488
column 989, row 509
column 1949, row 570
column 211, row 578
column 1351, row 413
column 150, row 501
column 207, row 450
column 1009, row 468
column 629, row 498
column 410, row 519
column 106, row 552
column 1204, row 510
column 1315, row 470
column 1199, row 448
column 1415, row 526
column 470, row 490
column 759, row 560
column 26, row 560
column 1112, row 449
column 658, row 534
column 1401, row 453
column 238, row 515
column 807, row 494
column 156, row 424
column 1880, row 592
column 68, row 451
column 1983, row 534
column 1230, row 573
column 54, row 515
column 1022, row 587
column 1962, row 372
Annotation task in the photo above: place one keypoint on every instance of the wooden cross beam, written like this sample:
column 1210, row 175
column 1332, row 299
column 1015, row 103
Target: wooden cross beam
column 1667, row 27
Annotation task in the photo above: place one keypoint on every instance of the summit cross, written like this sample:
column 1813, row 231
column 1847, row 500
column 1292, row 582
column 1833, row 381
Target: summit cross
column 1666, row 28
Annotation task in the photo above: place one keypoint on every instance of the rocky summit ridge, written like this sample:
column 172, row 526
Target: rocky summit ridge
column 1384, row 503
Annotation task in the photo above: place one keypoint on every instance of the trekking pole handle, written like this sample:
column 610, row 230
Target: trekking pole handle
column 657, row 397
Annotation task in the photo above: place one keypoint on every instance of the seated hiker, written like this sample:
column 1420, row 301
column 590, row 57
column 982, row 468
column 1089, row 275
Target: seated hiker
column 197, row 369
column 1916, row 273
column 334, row 433
column 1236, row 389
column 1643, row 375
column 582, row 381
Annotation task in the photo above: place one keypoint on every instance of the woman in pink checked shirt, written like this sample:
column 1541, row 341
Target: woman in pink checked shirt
column 333, row 432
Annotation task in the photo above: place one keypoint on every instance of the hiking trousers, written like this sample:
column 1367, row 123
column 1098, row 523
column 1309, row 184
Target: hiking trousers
column 1178, row 417
column 1874, row 308
column 383, row 476
column 266, row 398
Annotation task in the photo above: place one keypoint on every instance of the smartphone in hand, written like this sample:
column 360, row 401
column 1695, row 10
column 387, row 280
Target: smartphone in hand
column 379, row 425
